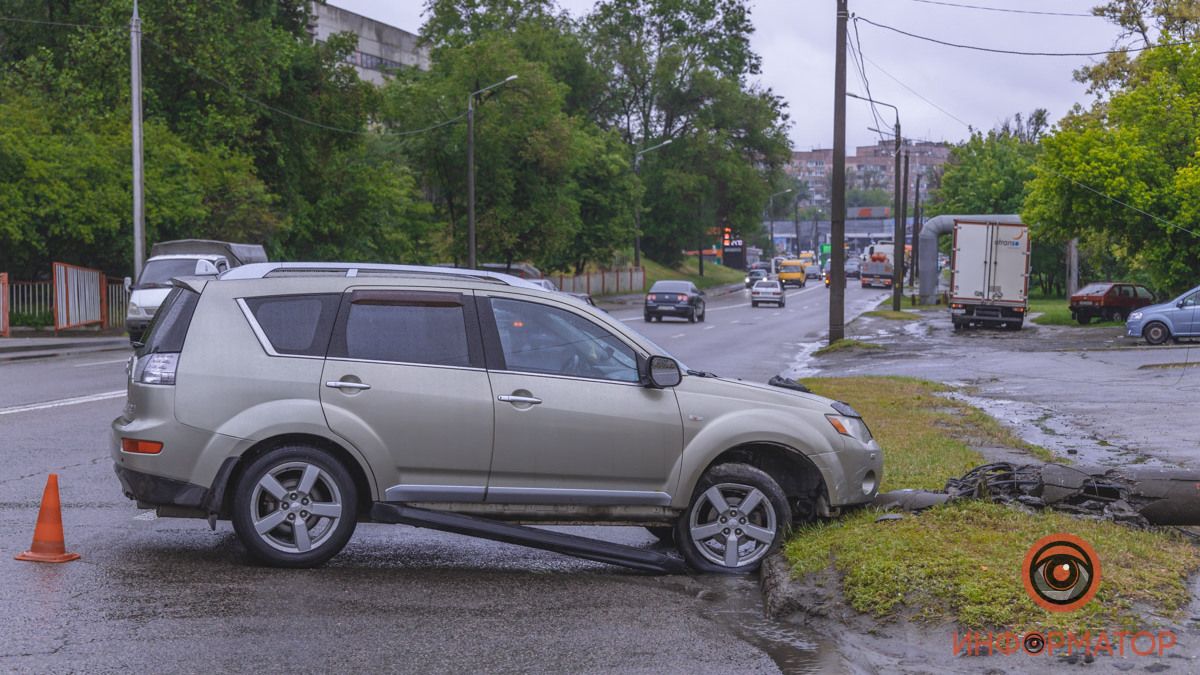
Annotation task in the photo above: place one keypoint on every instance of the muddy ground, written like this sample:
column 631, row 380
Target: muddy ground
column 1089, row 395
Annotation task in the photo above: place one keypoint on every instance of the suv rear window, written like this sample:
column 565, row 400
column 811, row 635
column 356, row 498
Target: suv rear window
column 421, row 331
column 171, row 322
column 297, row 325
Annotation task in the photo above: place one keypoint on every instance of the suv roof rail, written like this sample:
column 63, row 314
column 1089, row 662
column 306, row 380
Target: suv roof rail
column 351, row 270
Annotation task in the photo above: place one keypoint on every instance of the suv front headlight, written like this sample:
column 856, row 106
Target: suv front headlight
column 854, row 427
column 1135, row 316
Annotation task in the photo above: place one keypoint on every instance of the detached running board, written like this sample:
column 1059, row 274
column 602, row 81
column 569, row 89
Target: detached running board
column 558, row 542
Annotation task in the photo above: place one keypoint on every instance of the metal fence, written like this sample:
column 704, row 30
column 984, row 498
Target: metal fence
column 78, row 296
column 118, row 303
column 607, row 282
column 3, row 305
column 31, row 297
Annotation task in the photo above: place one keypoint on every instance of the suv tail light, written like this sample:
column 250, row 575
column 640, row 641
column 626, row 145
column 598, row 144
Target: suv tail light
column 157, row 368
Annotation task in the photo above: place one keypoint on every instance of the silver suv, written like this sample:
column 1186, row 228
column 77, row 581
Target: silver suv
column 291, row 398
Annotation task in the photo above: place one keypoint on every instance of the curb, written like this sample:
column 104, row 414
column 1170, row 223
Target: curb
column 11, row 355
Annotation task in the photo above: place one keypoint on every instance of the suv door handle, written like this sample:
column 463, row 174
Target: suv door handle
column 530, row 400
column 338, row 384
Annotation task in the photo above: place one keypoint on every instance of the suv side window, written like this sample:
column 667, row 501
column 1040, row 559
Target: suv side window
column 537, row 338
column 424, row 328
column 296, row 325
column 1192, row 300
column 1144, row 293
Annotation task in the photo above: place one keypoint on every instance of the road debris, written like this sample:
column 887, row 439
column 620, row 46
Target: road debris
column 1140, row 497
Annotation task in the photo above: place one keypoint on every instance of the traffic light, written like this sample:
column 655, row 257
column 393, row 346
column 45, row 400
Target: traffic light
column 728, row 236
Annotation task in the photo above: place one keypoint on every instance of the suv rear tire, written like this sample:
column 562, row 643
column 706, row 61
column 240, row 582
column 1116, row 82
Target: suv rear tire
column 291, row 486
column 715, row 519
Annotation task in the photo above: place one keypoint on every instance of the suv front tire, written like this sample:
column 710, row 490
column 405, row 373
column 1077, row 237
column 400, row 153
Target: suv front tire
column 295, row 506
column 737, row 517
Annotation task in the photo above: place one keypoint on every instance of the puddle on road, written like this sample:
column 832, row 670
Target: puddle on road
column 736, row 604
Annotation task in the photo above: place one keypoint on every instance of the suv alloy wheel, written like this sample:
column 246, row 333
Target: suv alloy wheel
column 295, row 507
column 738, row 516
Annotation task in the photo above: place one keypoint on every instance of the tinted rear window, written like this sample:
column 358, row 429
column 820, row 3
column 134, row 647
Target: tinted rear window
column 171, row 322
column 670, row 287
column 424, row 334
column 296, row 324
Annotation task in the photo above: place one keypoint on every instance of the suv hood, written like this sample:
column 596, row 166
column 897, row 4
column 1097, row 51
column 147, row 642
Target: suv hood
column 759, row 393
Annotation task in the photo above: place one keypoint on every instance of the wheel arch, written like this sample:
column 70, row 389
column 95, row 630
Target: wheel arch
column 800, row 478
column 364, row 485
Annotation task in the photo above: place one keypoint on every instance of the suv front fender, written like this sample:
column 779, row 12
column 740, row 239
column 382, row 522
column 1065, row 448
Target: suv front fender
column 797, row 430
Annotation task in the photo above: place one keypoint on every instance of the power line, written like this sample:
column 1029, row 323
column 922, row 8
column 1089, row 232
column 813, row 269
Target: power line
column 1124, row 50
column 859, row 61
column 1002, row 9
column 914, row 92
column 1085, row 186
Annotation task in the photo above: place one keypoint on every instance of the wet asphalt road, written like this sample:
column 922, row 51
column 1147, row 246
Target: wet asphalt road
column 165, row 595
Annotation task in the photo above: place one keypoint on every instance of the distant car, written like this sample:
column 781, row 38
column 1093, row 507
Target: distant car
column 674, row 298
column 1178, row 318
column 853, row 268
column 544, row 283
column 1109, row 301
column 755, row 276
column 768, row 291
column 812, row 272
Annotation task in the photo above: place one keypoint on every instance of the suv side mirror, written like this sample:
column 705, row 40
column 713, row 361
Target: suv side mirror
column 662, row 372
column 128, row 283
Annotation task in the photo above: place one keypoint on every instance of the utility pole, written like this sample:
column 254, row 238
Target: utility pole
column 914, row 279
column 796, row 220
column 898, row 230
column 837, row 223
column 637, row 212
column 135, row 105
column 471, row 168
column 903, row 230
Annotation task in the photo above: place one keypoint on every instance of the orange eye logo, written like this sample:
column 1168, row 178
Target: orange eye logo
column 1061, row 572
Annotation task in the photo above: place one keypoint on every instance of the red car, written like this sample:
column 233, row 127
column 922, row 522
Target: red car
column 1111, row 301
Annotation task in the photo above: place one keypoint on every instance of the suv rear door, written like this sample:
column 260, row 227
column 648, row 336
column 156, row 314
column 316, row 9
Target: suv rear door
column 573, row 425
column 404, row 378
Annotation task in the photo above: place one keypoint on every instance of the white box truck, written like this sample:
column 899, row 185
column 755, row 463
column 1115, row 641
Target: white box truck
column 989, row 282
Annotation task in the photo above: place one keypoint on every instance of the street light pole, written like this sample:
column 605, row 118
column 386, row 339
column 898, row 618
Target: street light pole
column 471, row 263
column 898, row 228
column 135, row 105
column 637, row 211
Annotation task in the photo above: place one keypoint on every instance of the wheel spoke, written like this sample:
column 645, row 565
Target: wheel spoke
column 272, row 486
column 731, row 550
column 308, row 479
column 760, row 533
column 270, row 522
column 302, row 542
column 708, row 531
column 717, row 499
column 326, row 509
column 751, row 501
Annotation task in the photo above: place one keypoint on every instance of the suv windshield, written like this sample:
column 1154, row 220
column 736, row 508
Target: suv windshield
column 158, row 273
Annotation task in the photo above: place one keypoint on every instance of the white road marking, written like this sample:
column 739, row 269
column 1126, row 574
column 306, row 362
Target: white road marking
column 678, row 335
column 101, row 363
column 712, row 327
column 774, row 313
column 74, row 400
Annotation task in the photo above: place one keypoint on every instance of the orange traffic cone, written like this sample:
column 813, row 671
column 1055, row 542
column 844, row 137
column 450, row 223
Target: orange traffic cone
column 48, row 544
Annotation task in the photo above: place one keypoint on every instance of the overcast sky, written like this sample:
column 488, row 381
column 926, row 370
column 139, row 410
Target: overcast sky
column 796, row 41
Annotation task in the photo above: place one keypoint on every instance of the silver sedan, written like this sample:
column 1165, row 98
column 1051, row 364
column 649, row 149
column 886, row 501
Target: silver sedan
column 768, row 291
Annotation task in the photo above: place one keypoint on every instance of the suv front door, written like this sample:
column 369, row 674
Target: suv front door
column 573, row 424
column 404, row 379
